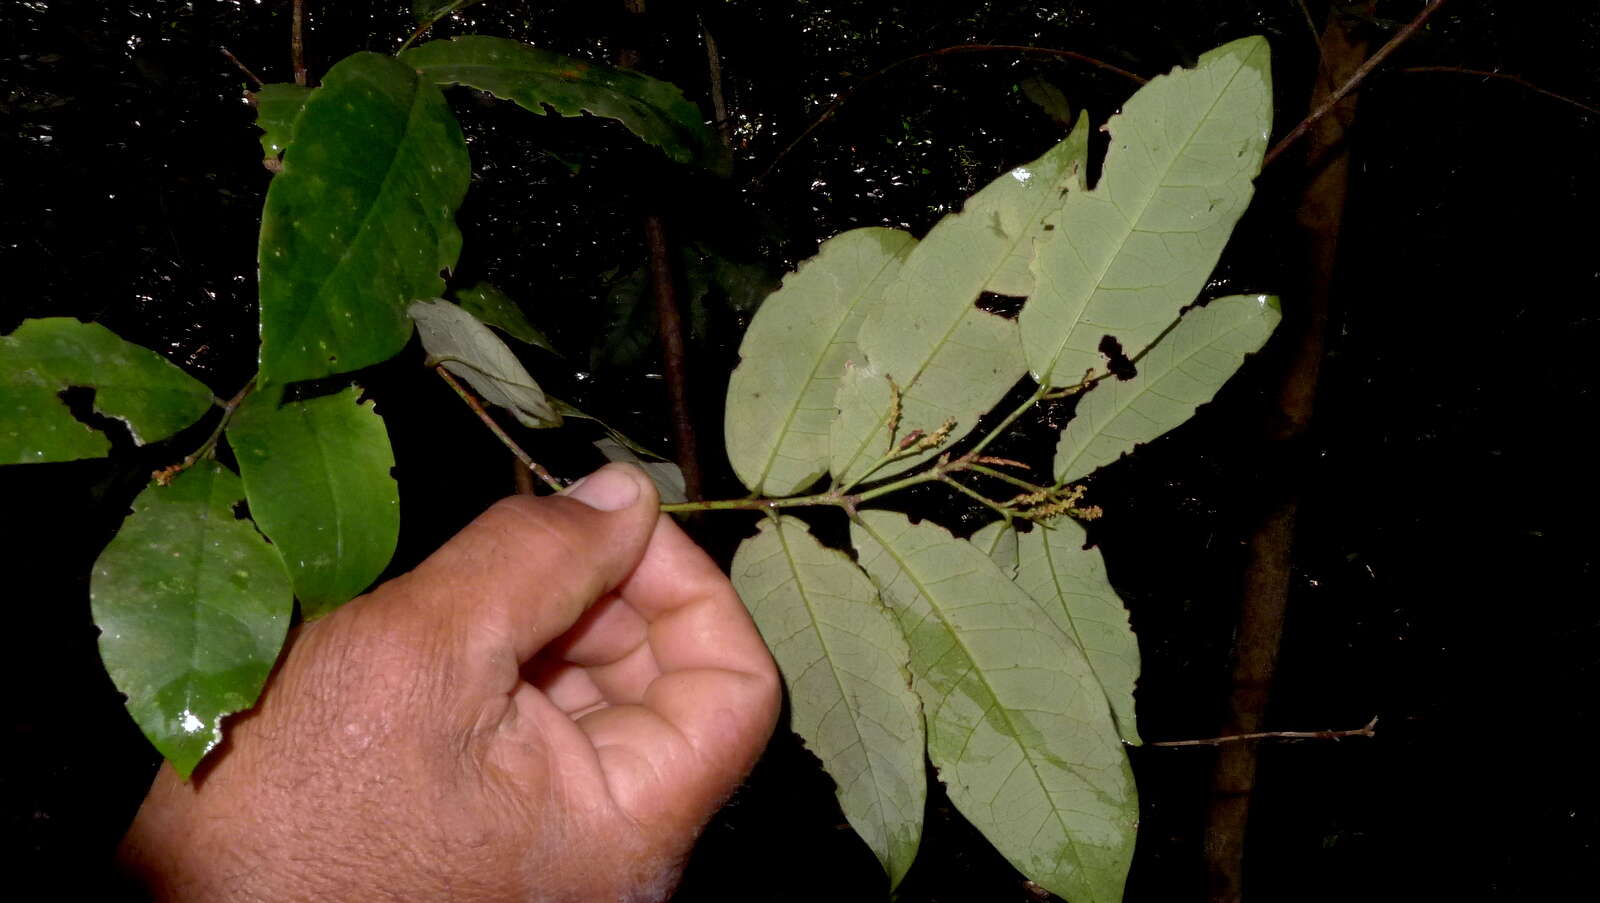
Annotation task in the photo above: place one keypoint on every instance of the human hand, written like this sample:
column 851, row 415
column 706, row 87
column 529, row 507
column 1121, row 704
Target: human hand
column 484, row 729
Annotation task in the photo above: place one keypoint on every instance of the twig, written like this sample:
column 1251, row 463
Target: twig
column 242, row 67
column 1354, row 81
column 719, row 102
column 506, row 440
column 1367, row 730
column 827, row 114
column 1510, row 78
column 297, row 42
column 674, row 356
column 165, row 474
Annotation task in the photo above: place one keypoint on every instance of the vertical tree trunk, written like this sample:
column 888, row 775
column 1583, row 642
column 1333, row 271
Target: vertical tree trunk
column 1268, row 568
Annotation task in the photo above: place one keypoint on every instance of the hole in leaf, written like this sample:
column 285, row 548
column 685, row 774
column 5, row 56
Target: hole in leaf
column 1007, row 306
column 1116, row 361
column 80, row 404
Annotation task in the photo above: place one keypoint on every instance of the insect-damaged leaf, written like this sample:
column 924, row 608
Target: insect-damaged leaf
column 654, row 110
column 131, row 382
column 1127, row 256
column 192, row 606
column 1177, row 375
column 950, row 360
column 471, row 351
column 1017, row 723
column 316, row 473
column 780, row 397
column 843, row 658
column 360, row 221
column 277, row 108
column 1069, row 583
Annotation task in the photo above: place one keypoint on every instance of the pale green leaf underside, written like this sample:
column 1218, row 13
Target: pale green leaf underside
column 667, row 476
column 131, row 382
column 998, row 540
column 1017, row 723
column 842, row 657
column 495, row 308
column 950, row 359
column 471, row 350
column 654, row 110
column 360, row 222
column 317, row 475
column 1069, row 583
column 1130, row 254
column 192, row 606
column 1177, row 375
column 277, row 108
column 780, row 397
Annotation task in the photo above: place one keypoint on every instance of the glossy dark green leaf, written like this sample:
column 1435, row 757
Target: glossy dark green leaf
column 844, row 660
column 317, row 476
column 472, row 351
column 192, row 606
column 131, row 382
column 277, row 108
column 495, row 308
column 360, row 221
column 1018, row 725
column 429, row 11
column 654, row 110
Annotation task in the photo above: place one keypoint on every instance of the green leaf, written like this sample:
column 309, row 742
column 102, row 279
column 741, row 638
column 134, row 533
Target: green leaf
column 495, row 308
column 843, row 658
column 665, row 474
column 192, row 606
column 1018, row 726
column 131, row 382
column 780, row 397
column 316, row 473
column 431, row 11
column 950, row 360
column 1048, row 98
column 277, row 108
column 1179, row 373
column 1069, row 583
column 998, row 540
column 360, row 222
column 654, row 110
column 473, row 352
column 1127, row 256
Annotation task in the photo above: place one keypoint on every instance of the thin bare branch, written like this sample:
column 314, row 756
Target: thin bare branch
column 1367, row 730
column 505, row 439
column 242, row 67
column 297, row 42
column 1483, row 73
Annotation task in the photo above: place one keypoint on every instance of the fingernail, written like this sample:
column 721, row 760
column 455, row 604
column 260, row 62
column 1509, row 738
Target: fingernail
column 608, row 489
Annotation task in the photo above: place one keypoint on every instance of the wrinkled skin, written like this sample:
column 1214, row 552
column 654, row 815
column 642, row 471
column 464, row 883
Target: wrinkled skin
column 548, row 708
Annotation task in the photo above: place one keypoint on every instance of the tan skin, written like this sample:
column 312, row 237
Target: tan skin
column 548, row 708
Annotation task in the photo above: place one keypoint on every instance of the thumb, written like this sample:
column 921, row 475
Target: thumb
column 525, row 570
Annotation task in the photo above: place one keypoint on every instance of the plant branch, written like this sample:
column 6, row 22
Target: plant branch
column 165, row 474
column 242, row 67
column 1024, row 485
column 297, row 42
column 977, row 496
column 833, row 108
column 1010, row 418
column 1355, row 80
column 1510, row 78
column 1367, row 730
column 505, row 439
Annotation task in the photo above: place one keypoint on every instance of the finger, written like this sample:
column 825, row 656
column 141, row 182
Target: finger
column 524, row 571
column 704, row 721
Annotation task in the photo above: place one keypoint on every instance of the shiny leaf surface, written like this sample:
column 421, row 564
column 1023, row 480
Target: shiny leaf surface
column 495, row 308
column 1017, row 723
column 654, row 110
column 360, row 221
column 1069, row 583
column 192, row 606
column 277, row 108
column 950, row 360
column 473, row 352
column 1180, row 373
column 316, row 473
column 780, row 397
column 132, row 383
column 1127, row 256
column 843, row 659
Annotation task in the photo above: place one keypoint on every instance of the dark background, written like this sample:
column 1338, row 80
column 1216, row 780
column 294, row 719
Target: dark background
column 1444, row 567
